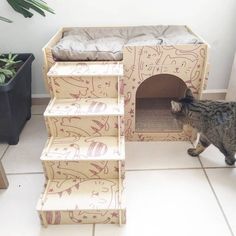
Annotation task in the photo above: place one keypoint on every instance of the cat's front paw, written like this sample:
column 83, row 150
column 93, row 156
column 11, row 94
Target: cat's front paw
column 230, row 161
column 193, row 152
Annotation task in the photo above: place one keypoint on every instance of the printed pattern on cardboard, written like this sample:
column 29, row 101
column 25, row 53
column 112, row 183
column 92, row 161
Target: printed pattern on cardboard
column 84, row 169
column 85, row 69
column 86, row 217
column 85, row 106
column 187, row 62
column 83, row 158
column 83, row 201
column 84, row 87
column 84, row 148
column 94, row 126
column 83, row 194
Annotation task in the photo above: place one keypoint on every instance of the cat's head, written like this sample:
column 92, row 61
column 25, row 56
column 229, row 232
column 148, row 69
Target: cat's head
column 182, row 109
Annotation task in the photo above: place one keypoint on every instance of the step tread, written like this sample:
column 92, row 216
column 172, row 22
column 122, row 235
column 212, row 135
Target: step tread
column 82, row 194
column 85, row 69
column 85, row 107
column 84, row 148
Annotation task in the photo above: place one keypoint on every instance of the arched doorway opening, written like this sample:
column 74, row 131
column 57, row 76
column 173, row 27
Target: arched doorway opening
column 152, row 108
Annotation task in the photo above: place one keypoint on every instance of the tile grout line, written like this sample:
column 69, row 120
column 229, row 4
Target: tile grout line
column 139, row 170
column 219, row 167
column 131, row 170
column 210, row 167
column 217, row 200
column 179, row 168
column 4, row 152
column 163, row 169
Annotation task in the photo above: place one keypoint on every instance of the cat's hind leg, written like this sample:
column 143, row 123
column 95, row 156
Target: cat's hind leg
column 203, row 143
column 229, row 156
column 228, row 153
column 230, row 159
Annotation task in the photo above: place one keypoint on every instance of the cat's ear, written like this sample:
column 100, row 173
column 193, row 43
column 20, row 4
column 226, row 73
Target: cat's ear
column 189, row 94
column 176, row 106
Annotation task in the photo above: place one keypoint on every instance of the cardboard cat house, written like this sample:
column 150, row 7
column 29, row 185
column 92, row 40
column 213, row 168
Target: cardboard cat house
column 108, row 85
column 154, row 72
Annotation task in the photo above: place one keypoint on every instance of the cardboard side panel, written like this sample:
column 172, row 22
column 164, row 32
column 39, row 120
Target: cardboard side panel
column 47, row 126
column 82, row 169
column 87, row 68
column 85, row 107
column 84, row 87
column 48, row 58
column 83, row 126
column 3, row 178
column 84, row 148
column 82, row 194
column 86, row 217
column 48, row 63
column 206, row 76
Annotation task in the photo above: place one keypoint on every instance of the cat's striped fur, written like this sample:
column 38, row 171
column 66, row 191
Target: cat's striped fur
column 215, row 121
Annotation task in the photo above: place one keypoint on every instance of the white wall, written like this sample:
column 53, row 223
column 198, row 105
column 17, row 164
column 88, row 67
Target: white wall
column 214, row 20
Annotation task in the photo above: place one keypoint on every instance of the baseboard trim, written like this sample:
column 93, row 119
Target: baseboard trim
column 40, row 95
column 214, row 94
column 215, row 91
column 40, row 99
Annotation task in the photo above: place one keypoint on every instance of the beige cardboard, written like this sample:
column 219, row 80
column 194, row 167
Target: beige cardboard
column 92, row 108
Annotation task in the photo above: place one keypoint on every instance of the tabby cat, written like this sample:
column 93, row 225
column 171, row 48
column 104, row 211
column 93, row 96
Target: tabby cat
column 215, row 121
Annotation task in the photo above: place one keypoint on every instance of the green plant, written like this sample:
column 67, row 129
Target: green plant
column 24, row 7
column 8, row 67
column 5, row 19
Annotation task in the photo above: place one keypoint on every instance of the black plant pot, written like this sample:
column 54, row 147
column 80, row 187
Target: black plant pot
column 15, row 102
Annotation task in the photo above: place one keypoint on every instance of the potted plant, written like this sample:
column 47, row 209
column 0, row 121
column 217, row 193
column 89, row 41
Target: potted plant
column 15, row 95
column 15, row 79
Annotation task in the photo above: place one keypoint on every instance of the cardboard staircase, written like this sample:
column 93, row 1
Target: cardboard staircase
column 84, row 156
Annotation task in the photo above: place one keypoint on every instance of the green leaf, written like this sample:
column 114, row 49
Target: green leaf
column 41, row 4
column 35, row 8
column 18, row 8
column 2, row 78
column 6, row 72
column 9, row 61
column 4, row 60
column 24, row 7
column 5, row 19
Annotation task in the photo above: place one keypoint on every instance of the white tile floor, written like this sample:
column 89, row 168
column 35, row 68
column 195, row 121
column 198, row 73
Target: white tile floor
column 168, row 192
